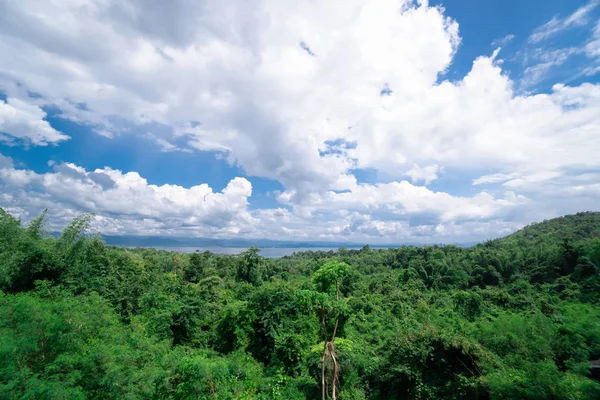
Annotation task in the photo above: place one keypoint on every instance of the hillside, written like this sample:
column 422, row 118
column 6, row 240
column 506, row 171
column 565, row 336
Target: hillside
column 514, row 318
column 575, row 228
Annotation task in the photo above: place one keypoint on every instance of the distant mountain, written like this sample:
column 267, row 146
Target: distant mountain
column 168, row 241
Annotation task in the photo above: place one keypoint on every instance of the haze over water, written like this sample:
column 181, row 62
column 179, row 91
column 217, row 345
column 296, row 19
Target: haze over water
column 270, row 252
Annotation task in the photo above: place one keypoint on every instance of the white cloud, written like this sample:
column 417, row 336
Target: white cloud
column 390, row 213
column 5, row 162
column 127, row 204
column 112, row 193
column 255, row 90
column 526, row 181
column 493, row 178
column 402, row 199
column 545, row 61
column 164, row 144
column 555, row 25
column 234, row 79
column 426, row 174
column 503, row 41
column 25, row 123
column 270, row 106
column 592, row 48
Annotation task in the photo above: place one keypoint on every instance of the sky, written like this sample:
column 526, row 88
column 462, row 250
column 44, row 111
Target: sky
column 371, row 121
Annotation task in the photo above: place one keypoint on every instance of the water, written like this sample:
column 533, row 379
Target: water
column 270, row 252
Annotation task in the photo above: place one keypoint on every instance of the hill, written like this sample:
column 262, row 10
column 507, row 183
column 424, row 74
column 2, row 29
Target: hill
column 575, row 228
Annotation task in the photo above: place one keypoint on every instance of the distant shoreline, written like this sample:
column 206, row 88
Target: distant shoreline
column 200, row 243
column 269, row 252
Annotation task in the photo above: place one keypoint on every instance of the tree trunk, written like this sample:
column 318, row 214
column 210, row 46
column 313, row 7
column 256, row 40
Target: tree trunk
column 324, row 327
column 334, row 377
column 331, row 344
column 334, row 374
column 323, row 375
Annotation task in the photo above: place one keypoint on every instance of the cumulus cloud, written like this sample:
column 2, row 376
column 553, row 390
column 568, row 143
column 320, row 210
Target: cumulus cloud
column 114, row 194
column 24, row 123
column 295, row 93
column 239, row 69
column 268, row 105
column 126, row 203
column 400, row 199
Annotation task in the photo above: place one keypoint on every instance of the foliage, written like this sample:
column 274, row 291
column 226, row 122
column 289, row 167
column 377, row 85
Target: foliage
column 512, row 318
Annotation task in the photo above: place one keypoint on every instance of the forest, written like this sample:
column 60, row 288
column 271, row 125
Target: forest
column 511, row 318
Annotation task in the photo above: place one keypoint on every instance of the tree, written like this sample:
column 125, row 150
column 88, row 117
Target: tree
column 36, row 226
column 329, row 276
column 249, row 267
column 25, row 256
column 195, row 271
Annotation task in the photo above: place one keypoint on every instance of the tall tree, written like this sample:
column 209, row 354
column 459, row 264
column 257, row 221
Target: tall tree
column 249, row 266
column 328, row 279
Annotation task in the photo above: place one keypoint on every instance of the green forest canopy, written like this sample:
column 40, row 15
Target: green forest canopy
column 512, row 318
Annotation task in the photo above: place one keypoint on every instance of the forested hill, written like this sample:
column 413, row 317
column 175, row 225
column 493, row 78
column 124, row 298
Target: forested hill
column 574, row 228
column 512, row 318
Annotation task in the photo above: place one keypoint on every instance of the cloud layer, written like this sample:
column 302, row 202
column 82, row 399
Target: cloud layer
column 127, row 204
column 305, row 94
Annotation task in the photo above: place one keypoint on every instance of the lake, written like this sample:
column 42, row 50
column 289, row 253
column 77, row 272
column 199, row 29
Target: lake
column 270, row 252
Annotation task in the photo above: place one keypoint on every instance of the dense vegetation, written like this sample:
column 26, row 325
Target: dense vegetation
column 514, row 318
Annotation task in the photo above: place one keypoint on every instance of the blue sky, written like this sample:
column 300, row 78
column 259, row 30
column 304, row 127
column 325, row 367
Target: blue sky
column 482, row 23
column 387, row 121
